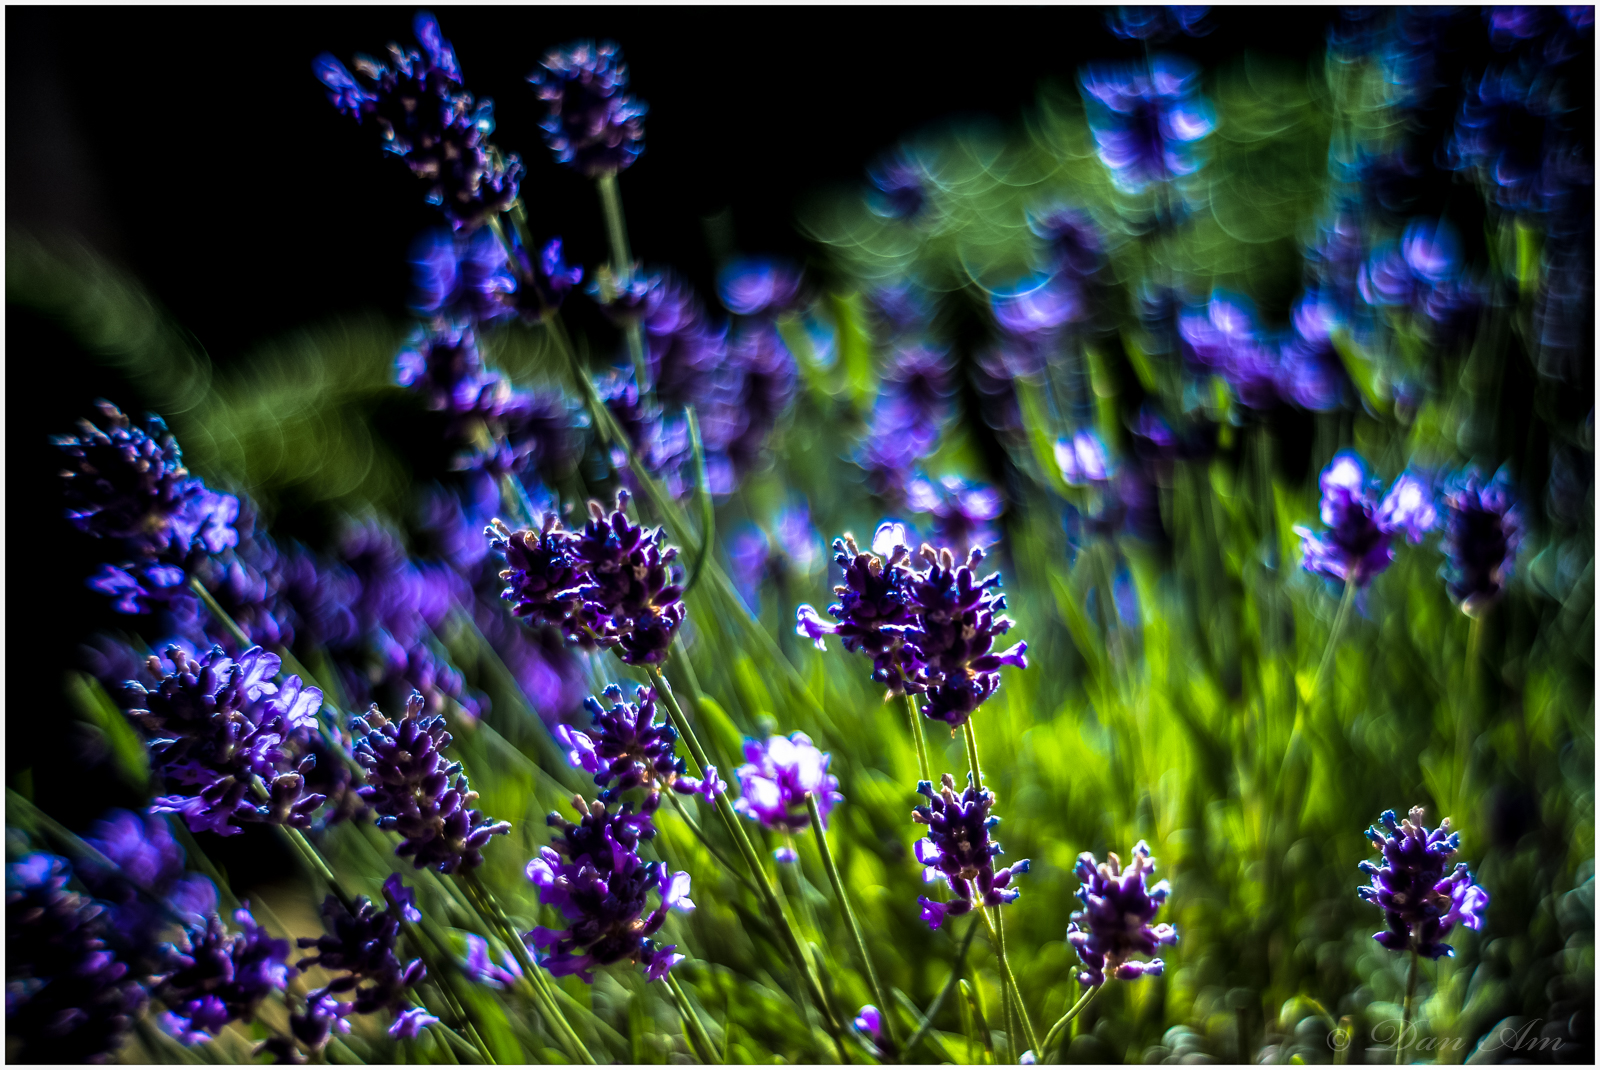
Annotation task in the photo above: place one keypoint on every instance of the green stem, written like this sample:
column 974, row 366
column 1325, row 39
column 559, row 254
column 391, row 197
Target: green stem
column 915, row 717
column 705, row 841
column 219, row 613
column 972, row 755
column 708, row 513
column 554, row 1019
column 1010, row 979
column 944, row 993
column 1066, row 1019
column 752, row 859
column 1405, row 1024
column 979, row 1021
column 704, row 1050
column 622, row 268
column 1340, row 619
column 314, row 862
column 855, row 925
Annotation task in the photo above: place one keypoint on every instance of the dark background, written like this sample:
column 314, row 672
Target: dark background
column 195, row 149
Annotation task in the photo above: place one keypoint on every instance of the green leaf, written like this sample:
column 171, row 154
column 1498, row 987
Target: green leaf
column 127, row 749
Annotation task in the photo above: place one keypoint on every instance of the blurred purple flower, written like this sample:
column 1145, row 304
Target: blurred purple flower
column 776, row 778
column 900, row 309
column 408, row 783
column 592, row 873
column 1483, row 530
column 546, row 278
column 363, row 947
column 962, row 512
column 912, row 405
column 755, row 286
column 1146, row 119
column 460, row 278
column 1422, row 899
column 870, row 1022
column 594, row 125
column 504, row 974
column 1038, row 305
column 1114, row 924
column 1357, row 545
column 1074, row 246
column 1083, row 460
column 1157, row 24
column 69, row 999
column 958, row 848
column 1507, row 132
column 145, row 883
column 1225, row 338
column 212, row 977
column 902, row 186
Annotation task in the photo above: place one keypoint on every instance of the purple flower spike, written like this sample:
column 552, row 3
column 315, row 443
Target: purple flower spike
column 594, row 126
column 629, row 748
column 958, row 849
column 1422, row 899
column 628, row 601
column 1114, row 924
column 951, row 642
column 218, row 728
column 409, row 785
column 212, row 977
column 127, row 484
column 1358, row 544
column 363, row 946
column 427, row 118
column 593, row 874
column 541, row 574
column 1146, row 119
column 752, row 286
column 871, row 600
column 68, row 998
column 1483, row 529
column 776, row 778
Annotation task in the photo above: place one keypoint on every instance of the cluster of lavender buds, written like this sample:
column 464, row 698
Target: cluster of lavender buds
column 776, row 778
column 906, row 420
column 362, row 945
column 1482, row 531
column 963, row 512
column 1114, row 924
column 1422, row 898
column 594, row 125
column 958, row 849
column 930, row 632
column 593, row 874
column 1146, row 119
column 69, row 999
column 428, row 119
column 1424, row 274
column 605, row 586
column 145, row 884
column 1298, row 367
column 212, row 976
column 228, row 738
column 409, row 784
column 1361, row 528
column 127, row 484
column 626, row 748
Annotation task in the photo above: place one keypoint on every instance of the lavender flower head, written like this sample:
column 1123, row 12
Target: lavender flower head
column 593, row 874
column 409, row 785
column 428, row 119
column 1422, row 899
column 1083, row 461
column 1157, row 24
column 363, row 945
column 776, row 778
column 1358, row 543
column 594, row 126
column 460, row 278
column 218, row 727
column 1114, row 924
column 958, row 849
column 541, row 574
column 146, row 883
column 628, row 599
column 213, row 977
column 1482, row 531
column 627, row 748
column 755, row 286
column 128, row 483
column 1146, row 119
column 902, row 187
column 872, row 604
column 68, row 998
column 1507, row 132
column 949, row 646
column 1038, row 305
column 1073, row 243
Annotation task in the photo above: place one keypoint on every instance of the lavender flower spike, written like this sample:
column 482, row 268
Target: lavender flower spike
column 1483, row 529
column 1422, row 900
column 872, row 600
column 409, row 785
column 958, row 849
column 1357, row 545
column 629, row 748
column 213, row 977
column 1114, row 924
column 594, row 125
column 593, row 874
column 776, row 778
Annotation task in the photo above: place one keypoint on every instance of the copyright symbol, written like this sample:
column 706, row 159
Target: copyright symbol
column 1339, row 1039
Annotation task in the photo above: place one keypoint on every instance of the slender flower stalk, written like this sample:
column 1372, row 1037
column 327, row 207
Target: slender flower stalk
column 878, row 992
column 699, row 1039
